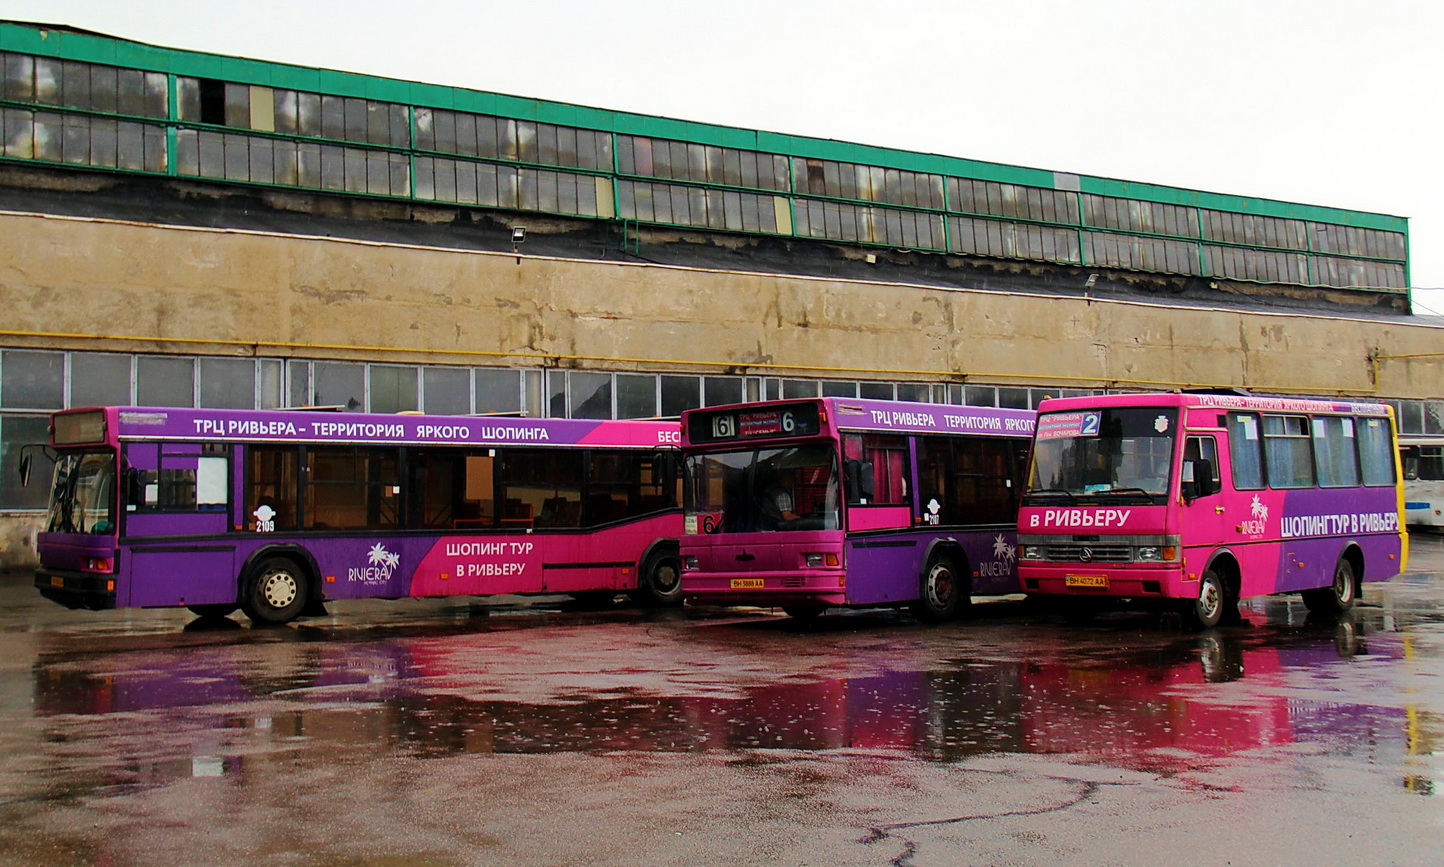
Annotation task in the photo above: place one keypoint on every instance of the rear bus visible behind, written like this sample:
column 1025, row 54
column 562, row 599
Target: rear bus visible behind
column 833, row 502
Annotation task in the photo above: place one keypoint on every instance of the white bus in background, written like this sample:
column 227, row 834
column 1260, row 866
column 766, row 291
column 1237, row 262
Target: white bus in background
column 1423, row 461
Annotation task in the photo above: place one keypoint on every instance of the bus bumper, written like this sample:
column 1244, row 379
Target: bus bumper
column 766, row 590
column 76, row 589
column 1088, row 580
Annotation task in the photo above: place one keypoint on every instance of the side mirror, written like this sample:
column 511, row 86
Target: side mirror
column 24, row 470
column 134, row 487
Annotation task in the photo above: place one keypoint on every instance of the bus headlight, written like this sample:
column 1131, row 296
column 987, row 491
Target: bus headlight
column 689, row 563
column 819, row 560
column 1031, row 552
column 1149, row 554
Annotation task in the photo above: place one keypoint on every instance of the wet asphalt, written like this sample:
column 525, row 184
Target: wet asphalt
column 508, row 731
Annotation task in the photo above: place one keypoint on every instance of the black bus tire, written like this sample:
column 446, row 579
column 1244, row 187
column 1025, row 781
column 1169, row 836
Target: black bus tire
column 1211, row 606
column 660, row 583
column 275, row 591
column 1339, row 596
column 942, row 590
column 213, row 611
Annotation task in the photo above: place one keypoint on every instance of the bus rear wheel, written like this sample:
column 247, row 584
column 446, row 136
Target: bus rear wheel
column 1339, row 596
column 660, row 583
column 943, row 593
column 275, row 591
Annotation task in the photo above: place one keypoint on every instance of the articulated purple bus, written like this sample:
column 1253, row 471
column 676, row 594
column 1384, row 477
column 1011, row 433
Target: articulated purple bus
column 840, row 502
column 277, row 512
column 1195, row 501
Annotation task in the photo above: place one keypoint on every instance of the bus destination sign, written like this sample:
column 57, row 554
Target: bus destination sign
column 797, row 420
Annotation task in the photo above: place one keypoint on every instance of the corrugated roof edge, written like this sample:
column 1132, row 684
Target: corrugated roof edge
column 73, row 43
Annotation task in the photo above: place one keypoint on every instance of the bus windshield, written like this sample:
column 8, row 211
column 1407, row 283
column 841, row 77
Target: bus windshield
column 1104, row 454
column 82, row 494
column 762, row 490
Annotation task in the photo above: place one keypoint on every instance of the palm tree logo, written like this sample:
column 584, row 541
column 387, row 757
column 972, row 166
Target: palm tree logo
column 1002, row 550
column 383, row 559
column 1258, row 509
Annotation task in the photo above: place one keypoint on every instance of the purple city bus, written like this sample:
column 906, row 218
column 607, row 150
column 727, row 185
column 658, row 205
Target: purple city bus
column 1195, row 501
column 276, row 512
column 811, row 504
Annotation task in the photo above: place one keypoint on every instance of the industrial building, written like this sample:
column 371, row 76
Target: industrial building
column 186, row 229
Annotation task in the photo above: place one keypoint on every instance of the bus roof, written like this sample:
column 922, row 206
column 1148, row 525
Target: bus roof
column 281, row 426
column 1214, row 400
column 890, row 415
column 862, row 414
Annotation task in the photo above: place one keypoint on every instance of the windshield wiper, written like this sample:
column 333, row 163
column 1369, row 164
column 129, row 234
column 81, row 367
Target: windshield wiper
column 1131, row 492
column 1052, row 492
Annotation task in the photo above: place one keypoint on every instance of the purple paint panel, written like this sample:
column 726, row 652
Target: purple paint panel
column 889, row 568
column 214, row 425
column 881, row 415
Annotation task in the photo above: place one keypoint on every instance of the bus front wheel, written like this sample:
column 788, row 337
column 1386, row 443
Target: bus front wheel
column 1213, row 605
column 661, row 581
column 944, row 591
column 275, row 591
column 1336, row 598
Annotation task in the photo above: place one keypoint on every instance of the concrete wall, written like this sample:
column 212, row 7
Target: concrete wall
column 237, row 293
column 143, row 288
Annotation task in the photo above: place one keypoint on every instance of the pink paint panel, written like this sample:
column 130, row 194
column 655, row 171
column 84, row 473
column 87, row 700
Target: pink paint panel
column 479, row 566
column 1092, row 519
column 878, row 518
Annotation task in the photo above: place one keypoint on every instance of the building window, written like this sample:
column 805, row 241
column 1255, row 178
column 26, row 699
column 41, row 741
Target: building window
column 16, row 432
column 98, row 379
column 32, row 380
column 341, row 384
column 446, row 390
column 165, row 381
column 636, row 395
column 227, row 383
column 394, row 389
column 722, row 390
column 497, row 391
column 680, row 393
column 589, row 395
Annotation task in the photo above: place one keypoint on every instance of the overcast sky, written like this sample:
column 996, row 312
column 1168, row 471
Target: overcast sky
column 1326, row 102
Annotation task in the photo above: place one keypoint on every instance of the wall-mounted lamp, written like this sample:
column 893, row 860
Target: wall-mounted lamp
column 1091, row 281
column 518, row 237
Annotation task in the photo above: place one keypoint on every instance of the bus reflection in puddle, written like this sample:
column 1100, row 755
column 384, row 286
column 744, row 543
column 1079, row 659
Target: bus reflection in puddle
column 157, row 716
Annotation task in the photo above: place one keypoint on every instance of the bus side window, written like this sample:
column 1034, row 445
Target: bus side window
column 1430, row 465
column 875, row 469
column 1409, row 457
column 1203, row 448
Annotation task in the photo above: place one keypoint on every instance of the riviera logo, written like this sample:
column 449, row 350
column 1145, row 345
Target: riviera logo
column 1003, row 556
column 1257, row 525
column 383, row 566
